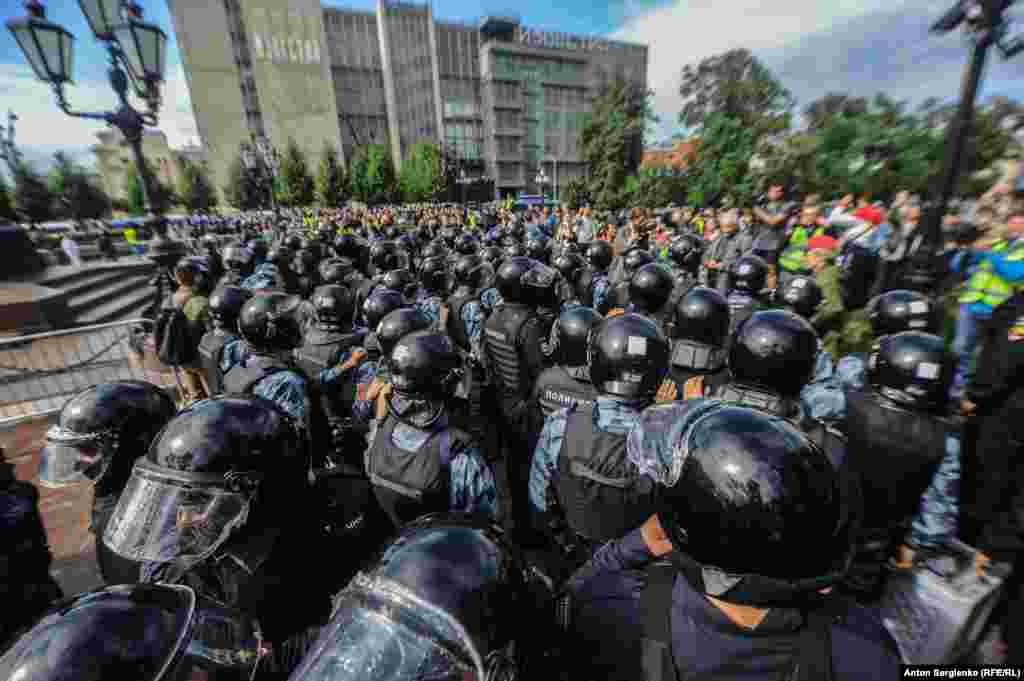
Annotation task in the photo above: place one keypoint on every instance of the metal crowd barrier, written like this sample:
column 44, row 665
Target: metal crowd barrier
column 40, row 371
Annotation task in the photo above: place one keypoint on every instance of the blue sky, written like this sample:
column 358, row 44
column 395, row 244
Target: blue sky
column 814, row 46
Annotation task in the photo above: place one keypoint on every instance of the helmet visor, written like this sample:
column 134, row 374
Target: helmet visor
column 69, row 458
column 380, row 632
column 165, row 516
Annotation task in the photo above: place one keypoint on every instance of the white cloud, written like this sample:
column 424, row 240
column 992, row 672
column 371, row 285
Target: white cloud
column 42, row 128
column 690, row 30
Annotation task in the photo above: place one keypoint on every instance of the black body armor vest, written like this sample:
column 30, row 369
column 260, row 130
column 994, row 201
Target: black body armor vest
column 456, row 329
column 210, row 348
column 602, row 494
column 501, row 341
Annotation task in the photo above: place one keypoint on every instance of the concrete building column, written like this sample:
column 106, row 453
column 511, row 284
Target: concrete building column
column 389, row 86
column 436, row 72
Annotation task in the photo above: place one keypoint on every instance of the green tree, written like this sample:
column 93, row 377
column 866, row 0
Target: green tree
column 721, row 165
column 6, row 206
column 33, row 200
column 74, row 193
column 296, row 183
column 575, row 193
column 161, row 196
column 654, row 188
column 194, row 186
column 737, row 85
column 420, row 178
column 372, row 175
column 244, row 190
column 611, row 141
column 330, row 179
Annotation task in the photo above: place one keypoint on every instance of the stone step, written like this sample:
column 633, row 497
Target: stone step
column 129, row 306
column 80, row 302
column 71, row 278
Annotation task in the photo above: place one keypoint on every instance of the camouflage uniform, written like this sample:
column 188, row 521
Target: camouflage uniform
column 430, row 305
column 843, row 331
column 266, row 276
column 285, row 388
column 231, row 354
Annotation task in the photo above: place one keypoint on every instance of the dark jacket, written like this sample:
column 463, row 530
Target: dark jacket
column 993, row 497
column 607, row 626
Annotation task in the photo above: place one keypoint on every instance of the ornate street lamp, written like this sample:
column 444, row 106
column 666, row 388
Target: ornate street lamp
column 8, row 152
column 262, row 156
column 137, row 52
column 541, row 180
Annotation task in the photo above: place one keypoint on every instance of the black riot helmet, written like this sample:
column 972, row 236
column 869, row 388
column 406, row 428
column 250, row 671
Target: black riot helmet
column 448, row 235
column 911, row 369
column 572, row 333
column 226, row 303
column 569, row 265
column 465, row 244
column 408, row 243
column 424, row 365
column 433, row 274
column 442, row 601
column 515, row 249
column 379, row 304
column 280, row 256
column 801, row 295
column 259, row 249
column 399, row 323
column 391, row 232
column 220, row 466
column 143, row 632
column 433, row 250
column 702, row 316
column 473, row 272
column 775, row 350
column 304, row 263
column 335, row 270
column 333, row 305
column 237, row 258
column 403, row 281
column 634, row 259
column 294, row 242
column 347, row 246
column 100, row 433
column 492, row 255
column 270, row 322
column 741, row 495
column 507, row 279
column 900, row 310
column 599, row 255
column 537, row 248
column 685, row 251
column 749, row 274
column 387, row 256
column 650, row 288
column 628, row 356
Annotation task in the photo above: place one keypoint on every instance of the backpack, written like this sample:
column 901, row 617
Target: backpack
column 175, row 343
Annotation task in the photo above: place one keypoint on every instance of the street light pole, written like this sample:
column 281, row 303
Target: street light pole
column 8, row 151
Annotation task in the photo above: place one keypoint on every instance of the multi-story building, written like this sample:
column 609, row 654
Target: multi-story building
column 115, row 160
column 504, row 99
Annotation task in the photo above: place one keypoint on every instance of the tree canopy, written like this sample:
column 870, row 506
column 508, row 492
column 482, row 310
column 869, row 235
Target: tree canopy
column 296, row 184
column 331, row 186
column 420, row 178
column 33, row 201
column 194, row 186
column 244, row 189
column 75, row 195
column 372, row 174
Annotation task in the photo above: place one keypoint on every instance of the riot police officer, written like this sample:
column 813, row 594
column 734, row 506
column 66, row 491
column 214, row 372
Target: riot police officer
column 433, row 276
column 800, row 295
column 100, row 433
column 698, row 365
column 271, row 329
column 304, row 264
column 571, row 266
column 746, row 279
column 26, row 587
column 238, row 265
column 567, row 383
column 593, row 285
column 650, row 292
column 582, row 488
column 448, row 599
column 905, row 449
column 702, row 584
column 220, row 504
column 418, row 462
column 221, row 348
column 632, row 261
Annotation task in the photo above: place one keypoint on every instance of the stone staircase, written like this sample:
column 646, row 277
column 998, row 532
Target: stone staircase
column 97, row 294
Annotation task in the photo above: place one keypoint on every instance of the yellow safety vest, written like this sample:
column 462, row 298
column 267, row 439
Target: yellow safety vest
column 794, row 256
column 698, row 225
column 985, row 286
column 130, row 235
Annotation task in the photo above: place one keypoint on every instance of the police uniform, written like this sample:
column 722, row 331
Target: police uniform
column 580, row 470
column 266, row 276
column 273, row 379
column 593, row 289
column 415, row 471
column 212, row 357
column 741, row 306
column 430, row 305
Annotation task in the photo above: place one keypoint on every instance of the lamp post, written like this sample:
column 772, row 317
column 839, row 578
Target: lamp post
column 541, row 180
column 8, row 152
column 463, row 180
column 137, row 52
column 554, row 170
column 985, row 25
